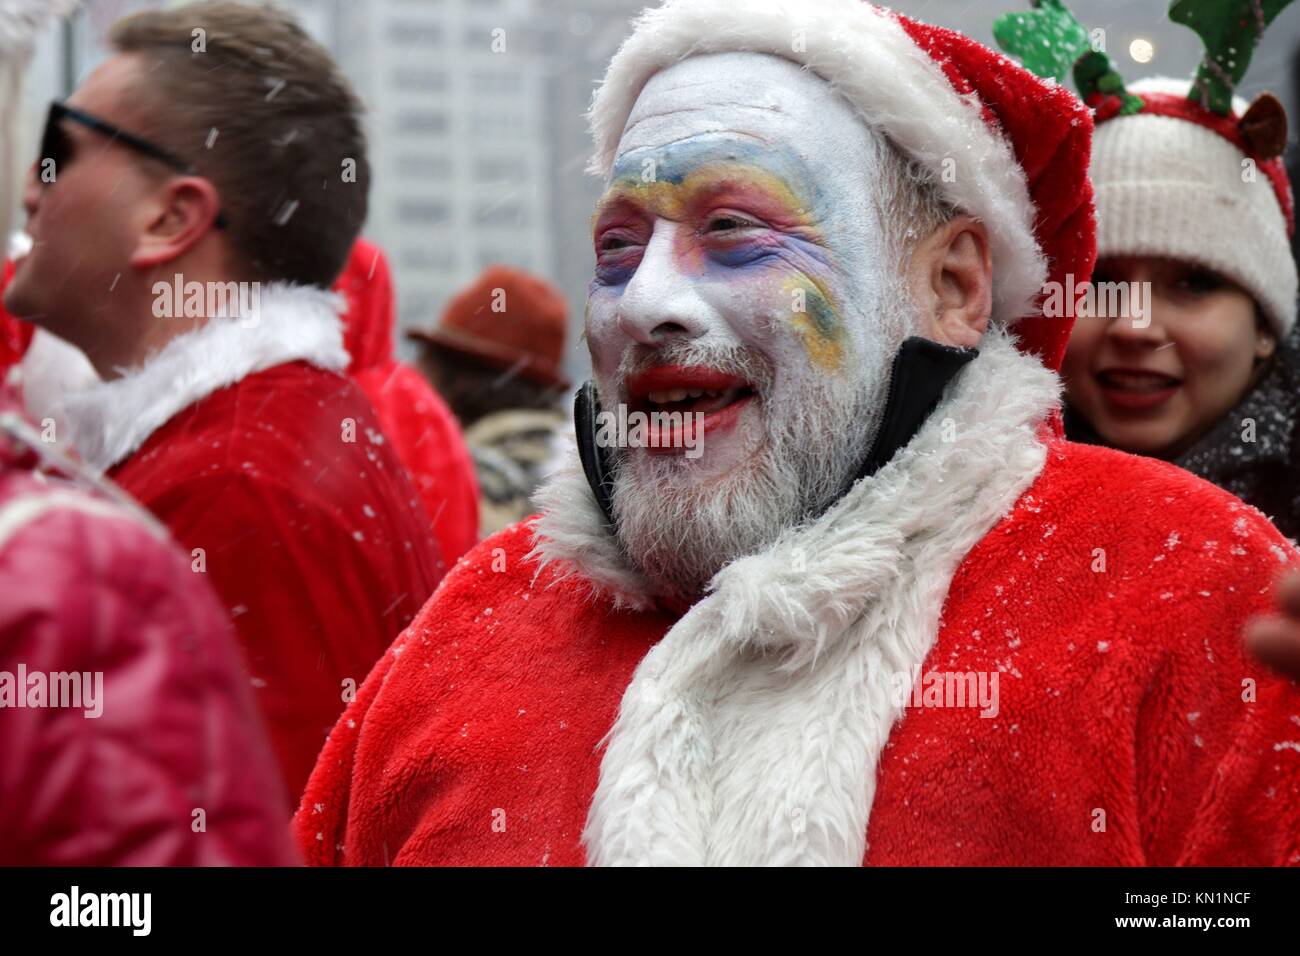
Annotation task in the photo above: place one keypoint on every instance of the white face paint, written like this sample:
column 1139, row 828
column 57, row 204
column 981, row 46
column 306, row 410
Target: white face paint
column 741, row 252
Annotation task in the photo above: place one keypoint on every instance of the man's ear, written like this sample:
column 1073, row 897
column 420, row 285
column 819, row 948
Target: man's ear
column 182, row 214
column 950, row 277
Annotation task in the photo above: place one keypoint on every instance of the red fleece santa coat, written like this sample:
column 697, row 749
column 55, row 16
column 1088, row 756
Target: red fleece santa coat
column 423, row 429
column 15, row 336
column 541, row 709
column 90, row 587
column 1001, row 648
column 270, row 469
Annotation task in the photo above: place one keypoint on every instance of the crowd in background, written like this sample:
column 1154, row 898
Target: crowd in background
column 233, row 517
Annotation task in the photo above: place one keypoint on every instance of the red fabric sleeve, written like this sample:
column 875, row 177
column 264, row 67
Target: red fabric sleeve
column 15, row 335
column 1217, row 736
column 431, row 446
column 322, row 818
column 328, row 814
column 314, row 605
column 176, row 769
column 1248, row 812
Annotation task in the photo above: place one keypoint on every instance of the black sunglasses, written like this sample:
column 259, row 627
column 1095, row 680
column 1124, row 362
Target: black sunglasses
column 56, row 145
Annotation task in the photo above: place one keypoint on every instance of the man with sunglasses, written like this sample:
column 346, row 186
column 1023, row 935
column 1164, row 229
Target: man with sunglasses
column 57, row 146
column 93, row 592
column 238, row 166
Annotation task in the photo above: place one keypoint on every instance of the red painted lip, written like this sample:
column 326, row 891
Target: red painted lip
column 664, row 377
column 1144, row 394
column 674, row 439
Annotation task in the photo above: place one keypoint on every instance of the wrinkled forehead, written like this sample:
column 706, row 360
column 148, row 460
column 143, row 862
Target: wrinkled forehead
column 770, row 102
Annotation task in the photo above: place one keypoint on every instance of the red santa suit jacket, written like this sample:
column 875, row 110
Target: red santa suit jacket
column 423, row 429
column 1000, row 649
column 271, row 470
column 91, row 586
column 15, row 335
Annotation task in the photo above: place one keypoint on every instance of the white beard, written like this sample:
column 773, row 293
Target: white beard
column 679, row 532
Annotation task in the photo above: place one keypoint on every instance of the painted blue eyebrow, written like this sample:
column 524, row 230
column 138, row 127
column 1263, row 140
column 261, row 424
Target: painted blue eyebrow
column 675, row 161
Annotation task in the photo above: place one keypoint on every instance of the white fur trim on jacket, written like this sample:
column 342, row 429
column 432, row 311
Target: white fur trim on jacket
column 111, row 420
column 50, row 370
column 750, row 734
column 896, row 87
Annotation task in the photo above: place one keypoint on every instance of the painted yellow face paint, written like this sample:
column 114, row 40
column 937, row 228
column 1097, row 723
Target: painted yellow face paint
column 816, row 320
column 812, row 310
column 670, row 198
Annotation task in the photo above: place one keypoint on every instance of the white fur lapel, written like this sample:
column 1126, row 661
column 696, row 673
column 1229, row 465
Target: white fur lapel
column 108, row 421
column 751, row 732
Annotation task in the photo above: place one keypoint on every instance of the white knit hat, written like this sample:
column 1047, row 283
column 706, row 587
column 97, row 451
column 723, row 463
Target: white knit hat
column 1179, row 182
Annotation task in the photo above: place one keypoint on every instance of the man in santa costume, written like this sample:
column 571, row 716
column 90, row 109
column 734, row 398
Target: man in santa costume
column 99, row 608
column 154, row 195
column 888, row 615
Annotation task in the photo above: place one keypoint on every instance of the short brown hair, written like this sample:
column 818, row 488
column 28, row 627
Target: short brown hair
column 264, row 112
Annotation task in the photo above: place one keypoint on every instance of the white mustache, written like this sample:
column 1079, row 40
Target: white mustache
column 743, row 362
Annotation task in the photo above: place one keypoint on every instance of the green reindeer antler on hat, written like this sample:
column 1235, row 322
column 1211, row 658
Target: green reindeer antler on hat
column 1230, row 30
column 1049, row 41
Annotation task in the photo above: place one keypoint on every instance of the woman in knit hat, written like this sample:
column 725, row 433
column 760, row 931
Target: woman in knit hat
column 1202, row 367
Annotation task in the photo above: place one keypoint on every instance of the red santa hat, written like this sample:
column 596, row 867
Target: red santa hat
column 1178, row 181
column 1004, row 146
column 367, row 284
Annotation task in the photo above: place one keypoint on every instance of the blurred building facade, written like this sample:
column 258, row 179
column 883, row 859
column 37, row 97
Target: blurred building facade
column 457, row 101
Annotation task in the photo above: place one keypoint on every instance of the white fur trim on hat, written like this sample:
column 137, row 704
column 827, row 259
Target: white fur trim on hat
column 1173, row 189
column 896, row 87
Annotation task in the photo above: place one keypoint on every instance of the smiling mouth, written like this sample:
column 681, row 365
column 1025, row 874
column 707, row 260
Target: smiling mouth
column 686, row 403
column 686, row 390
column 1137, row 381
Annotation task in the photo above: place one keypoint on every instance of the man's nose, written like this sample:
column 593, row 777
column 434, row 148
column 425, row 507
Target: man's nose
column 661, row 300
column 31, row 192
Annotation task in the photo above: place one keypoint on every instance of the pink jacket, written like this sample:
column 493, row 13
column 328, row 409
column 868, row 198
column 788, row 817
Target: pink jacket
column 158, row 758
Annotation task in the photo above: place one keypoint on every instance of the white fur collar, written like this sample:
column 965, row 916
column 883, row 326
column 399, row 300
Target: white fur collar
column 750, row 734
column 109, row 421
